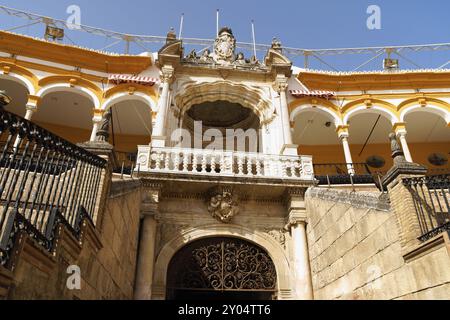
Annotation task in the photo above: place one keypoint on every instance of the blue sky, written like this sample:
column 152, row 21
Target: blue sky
column 304, row 24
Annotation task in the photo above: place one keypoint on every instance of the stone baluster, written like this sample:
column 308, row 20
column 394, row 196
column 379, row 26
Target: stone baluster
column 240, row 165
column 186, row 157
column 249, row 165
column 228, row 162
column 194, row 162
column 204, row 162
column 167, row 156
column 176, row 162
column 283, row 164
column 222, row 163
column 258, row 167
column 213, row 163
column 294, row 168
column 157, row 155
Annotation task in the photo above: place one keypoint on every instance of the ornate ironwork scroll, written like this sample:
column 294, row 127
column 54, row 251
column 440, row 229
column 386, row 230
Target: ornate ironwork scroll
column 222, row 264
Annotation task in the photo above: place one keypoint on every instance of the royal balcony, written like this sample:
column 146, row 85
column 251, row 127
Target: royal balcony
column 217, row 164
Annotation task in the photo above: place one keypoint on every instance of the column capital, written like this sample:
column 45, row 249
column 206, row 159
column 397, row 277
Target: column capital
column 167, row 74
column 295, row 220
column 280, row 84
column 295, row 204
column 399, row 128
column 151, row 197
column 98, row 115
column 33, row 102
column 343, row 131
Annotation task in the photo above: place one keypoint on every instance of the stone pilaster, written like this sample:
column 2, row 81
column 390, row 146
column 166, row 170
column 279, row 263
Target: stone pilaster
column 401, row 198
column 106, row 151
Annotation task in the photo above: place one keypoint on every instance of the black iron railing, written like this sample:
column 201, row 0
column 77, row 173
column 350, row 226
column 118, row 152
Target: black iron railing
column 431, row 197
column 126, row 162
column 44, row 180
column 347, row 174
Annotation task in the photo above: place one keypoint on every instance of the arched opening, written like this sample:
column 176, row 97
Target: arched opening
column 131, row 126
column 315, row 134
column 222, row 125
column 369, row 140
column 221, row 268
column 67, row 114
column 429, row 140
column 18, row 94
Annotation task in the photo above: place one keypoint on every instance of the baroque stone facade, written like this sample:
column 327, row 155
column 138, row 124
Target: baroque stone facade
column 319, row 241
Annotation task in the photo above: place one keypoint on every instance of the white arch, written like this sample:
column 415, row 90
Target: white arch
column 391, row 116
column 429, row 108
column 124, row 96
column 273, row 248
column 20, row 80
column 309, row 107
column 61, row 87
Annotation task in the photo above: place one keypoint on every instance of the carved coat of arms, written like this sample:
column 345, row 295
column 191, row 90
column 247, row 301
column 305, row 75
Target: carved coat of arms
column 224, row 46
column 223, row 205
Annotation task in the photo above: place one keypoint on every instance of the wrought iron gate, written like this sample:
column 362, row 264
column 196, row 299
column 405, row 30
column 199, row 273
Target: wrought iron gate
column 222, row 264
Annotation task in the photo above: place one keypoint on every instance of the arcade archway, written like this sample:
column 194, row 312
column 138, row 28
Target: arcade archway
column 221, row 268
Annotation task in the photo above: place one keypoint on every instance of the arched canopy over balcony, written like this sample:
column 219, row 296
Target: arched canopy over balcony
column 222, row 125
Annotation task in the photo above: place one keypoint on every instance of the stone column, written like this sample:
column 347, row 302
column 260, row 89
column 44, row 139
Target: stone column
column 400, row 131
column 146, row 254
column 31, row 106
column 281, row 86
column 159, row 138
column 144, row 274
column 303, row 288
column 343, row 134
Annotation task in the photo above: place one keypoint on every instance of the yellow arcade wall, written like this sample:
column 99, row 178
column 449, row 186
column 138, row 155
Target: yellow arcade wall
column 335, row 154
column 123, row 143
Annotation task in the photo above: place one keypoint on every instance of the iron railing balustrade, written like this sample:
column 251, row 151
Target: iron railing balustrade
column 431, row 197
column 44, row 181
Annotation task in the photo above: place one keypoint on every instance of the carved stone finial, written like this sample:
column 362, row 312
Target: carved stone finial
column 276, row 45
column 397, row 152
column 171, row 36
column 103, row 132
column 401, row 166
column 223, row 204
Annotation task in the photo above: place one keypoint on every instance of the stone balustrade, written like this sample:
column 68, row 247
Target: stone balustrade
column 223, row 163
